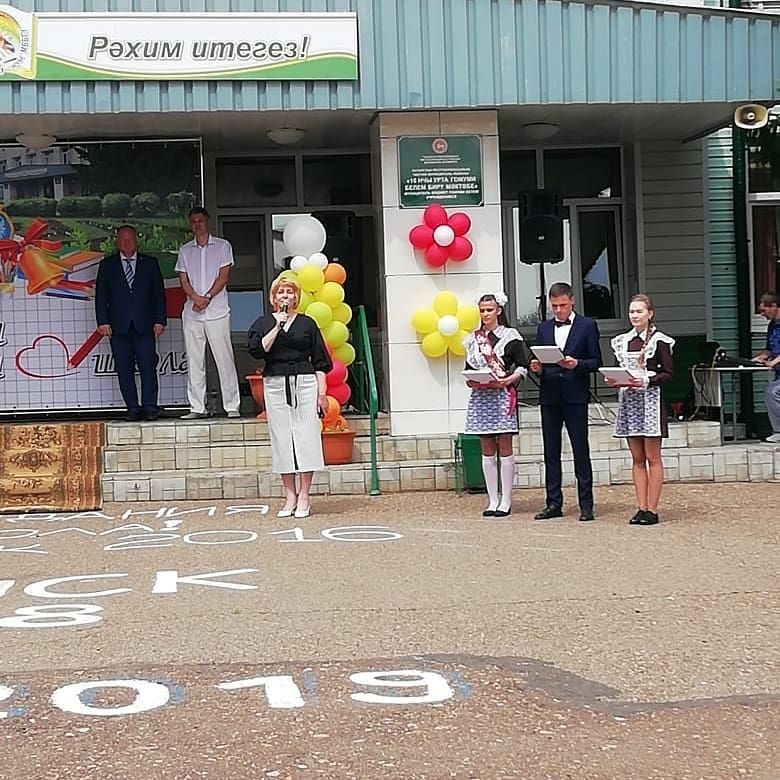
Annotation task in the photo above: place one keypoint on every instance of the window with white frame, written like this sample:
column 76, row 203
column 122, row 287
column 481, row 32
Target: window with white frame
column 590, row 182
column 764, row 211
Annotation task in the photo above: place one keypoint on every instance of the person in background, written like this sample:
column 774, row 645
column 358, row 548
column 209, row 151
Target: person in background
column 563, row 397
column 296, row 361
column 641, row 415
column 492, row 408
column 769, row 307
column 130, row 310
column 204, row 266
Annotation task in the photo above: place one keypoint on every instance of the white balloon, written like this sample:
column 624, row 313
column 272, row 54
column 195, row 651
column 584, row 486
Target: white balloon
column 319, row 259
column 448, row 325
column 444, row 235
column 298, row 262
column 304, row 235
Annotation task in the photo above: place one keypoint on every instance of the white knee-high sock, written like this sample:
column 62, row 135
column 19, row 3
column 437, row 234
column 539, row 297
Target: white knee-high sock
column 507, row 481
column 490, row 471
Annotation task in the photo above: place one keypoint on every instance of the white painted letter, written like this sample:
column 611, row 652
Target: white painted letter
column 280, row 690
column 149, row 696
column 168, row 581
column 5, row 586
column 55, row 615
column 40, row 590
column 437, row 687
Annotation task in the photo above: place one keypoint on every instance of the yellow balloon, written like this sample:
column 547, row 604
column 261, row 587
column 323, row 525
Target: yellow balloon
column 425, row 319
column 342, row 313
column 455, row 343
column 331, row 293
column 445, row 303
column 305, row 302
column 310, row 278
column 468, row 317
column 321, row 313
column 434, row 345
column 345, row 353
column 288, row 274
column 335, row 334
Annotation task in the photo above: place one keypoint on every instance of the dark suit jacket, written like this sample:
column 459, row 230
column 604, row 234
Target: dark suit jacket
column 119, row 306
column 564, row 384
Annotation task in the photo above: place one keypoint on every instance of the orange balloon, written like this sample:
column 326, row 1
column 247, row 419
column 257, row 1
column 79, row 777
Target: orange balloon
column 335, row 272
column 334, row 410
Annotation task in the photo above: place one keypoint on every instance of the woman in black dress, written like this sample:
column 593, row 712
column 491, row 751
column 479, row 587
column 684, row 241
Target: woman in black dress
column 296, row 362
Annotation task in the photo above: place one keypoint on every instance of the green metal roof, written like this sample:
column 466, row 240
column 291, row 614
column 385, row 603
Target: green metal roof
column 464, row 53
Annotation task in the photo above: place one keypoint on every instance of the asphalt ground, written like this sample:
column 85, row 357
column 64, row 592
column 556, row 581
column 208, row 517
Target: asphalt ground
column 401, row 636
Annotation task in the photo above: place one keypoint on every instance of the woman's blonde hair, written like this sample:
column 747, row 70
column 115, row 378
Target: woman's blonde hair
column 284, row 282
column 649, row 328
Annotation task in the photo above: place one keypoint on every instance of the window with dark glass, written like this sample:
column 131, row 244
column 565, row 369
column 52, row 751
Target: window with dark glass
column 248, row 182
column 518, row 173
column 339, row 180
column 583, row 173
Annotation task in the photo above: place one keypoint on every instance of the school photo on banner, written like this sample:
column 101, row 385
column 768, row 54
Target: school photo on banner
column 61, row 207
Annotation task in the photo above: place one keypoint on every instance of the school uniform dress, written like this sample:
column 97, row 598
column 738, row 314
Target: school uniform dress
column 290, row 388
column 492, row 411
column 641, row 411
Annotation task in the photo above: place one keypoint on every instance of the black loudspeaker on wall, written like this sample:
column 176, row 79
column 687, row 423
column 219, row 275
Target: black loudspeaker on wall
column 541, row 226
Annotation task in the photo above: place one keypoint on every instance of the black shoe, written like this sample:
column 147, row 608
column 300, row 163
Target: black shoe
column 548, row 513
column 503, row 512
column 489, row 513
column 637, row 518
column 133, row 415
column 151, row 414
column 650, row 518
column 586, row 515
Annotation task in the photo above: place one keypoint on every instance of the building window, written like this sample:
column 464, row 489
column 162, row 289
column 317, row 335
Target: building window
column 764, row 210
column 337, row 180
column 255, row 182
column 590, row 183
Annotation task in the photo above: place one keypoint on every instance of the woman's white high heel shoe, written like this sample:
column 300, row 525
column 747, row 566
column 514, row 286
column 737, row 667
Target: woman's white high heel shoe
column 302, row 513
column 286, row 512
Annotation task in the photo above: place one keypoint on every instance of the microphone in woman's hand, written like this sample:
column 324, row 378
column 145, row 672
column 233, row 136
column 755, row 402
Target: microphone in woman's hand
column 284, row 307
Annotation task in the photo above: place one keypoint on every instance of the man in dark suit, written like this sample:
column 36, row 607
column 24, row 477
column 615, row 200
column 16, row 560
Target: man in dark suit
column 130, row 309
column 564, row 394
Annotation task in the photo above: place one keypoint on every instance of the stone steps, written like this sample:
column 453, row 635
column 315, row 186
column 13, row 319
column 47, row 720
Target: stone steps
column 733, row 463
column 221, row 445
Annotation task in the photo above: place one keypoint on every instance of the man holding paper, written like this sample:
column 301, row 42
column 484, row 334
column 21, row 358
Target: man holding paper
column 566, row 353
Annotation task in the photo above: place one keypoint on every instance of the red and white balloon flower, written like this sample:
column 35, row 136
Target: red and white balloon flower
column 442, row 238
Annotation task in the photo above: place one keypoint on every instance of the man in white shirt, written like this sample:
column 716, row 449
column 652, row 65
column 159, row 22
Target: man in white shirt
column 203, row 266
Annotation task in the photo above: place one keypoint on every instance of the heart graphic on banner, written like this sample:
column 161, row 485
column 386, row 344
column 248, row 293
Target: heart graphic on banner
column 47, row 351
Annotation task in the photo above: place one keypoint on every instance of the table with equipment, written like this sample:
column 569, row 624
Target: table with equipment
column 709, row 381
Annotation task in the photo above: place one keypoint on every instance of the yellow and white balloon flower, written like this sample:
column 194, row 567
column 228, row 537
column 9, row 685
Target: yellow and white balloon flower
column 445, row 325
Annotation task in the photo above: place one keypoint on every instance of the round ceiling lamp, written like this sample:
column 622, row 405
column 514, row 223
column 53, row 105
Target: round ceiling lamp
column 539, row 131
column 286, row 136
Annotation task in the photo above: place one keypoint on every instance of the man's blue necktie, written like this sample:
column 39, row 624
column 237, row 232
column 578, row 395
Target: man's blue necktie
column 129, row 273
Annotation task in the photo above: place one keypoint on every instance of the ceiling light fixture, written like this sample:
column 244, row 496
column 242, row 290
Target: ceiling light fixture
column 286, row 136
column 539, row 131
column 36, row 141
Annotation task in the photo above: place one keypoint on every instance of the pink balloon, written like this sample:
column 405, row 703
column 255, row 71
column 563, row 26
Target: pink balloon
column 341, row 393
column 460, row 223
column 434, row 215
column 436, row 255
column 460, row 249
column 337, row 375
column 421, row 236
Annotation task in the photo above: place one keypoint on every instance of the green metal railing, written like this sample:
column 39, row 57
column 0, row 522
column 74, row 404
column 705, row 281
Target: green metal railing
column 366, row 398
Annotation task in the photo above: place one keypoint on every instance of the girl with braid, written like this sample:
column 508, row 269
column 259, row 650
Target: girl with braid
column 641, row 415
column 492, row 409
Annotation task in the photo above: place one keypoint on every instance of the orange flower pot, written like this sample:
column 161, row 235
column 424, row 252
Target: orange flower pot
column 256, row 387
column 337, row 447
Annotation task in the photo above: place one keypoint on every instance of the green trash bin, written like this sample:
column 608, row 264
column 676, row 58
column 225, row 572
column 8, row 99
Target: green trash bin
column 468, row 456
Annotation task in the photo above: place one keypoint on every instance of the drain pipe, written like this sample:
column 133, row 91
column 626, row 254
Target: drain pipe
column 742, row 264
